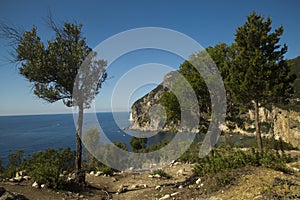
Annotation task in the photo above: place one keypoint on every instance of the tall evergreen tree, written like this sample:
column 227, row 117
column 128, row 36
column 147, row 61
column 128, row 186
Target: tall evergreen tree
column 58, row 69
column 259, row 74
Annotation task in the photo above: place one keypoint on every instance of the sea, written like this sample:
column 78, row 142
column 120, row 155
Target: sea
column 33, row 133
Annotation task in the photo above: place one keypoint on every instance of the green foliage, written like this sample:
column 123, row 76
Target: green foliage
column 53, row 67
column 258, row 71
column 1, row 168
column 46, row 167
column 15, row 160
column 272, row 143
column 138, row 143
column 162, row 173
column 295, row 69
column 106, row 170
column 220, row 160
column 121, row 145
column 191, row 155
column 172, row 107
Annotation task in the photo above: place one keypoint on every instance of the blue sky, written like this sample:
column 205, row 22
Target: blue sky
column 207, row 22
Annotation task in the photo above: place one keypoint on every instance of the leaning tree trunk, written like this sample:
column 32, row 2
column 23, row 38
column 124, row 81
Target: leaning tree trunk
column 80, row 175
column 257, row 126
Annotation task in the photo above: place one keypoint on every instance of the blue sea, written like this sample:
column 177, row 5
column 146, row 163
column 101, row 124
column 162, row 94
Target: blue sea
column 33, row 133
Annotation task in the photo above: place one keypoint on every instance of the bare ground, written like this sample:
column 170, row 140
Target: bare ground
column 250, row 183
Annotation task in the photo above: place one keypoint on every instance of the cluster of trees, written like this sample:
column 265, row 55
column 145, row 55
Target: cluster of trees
column 253, row 68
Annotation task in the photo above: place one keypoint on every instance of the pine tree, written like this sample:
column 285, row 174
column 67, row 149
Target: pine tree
column 259, row 74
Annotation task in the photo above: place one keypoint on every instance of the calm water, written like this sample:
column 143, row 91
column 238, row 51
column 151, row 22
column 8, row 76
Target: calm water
column 34, row 133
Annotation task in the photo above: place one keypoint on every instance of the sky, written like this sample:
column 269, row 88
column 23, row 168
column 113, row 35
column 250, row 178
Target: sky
column 207, row 22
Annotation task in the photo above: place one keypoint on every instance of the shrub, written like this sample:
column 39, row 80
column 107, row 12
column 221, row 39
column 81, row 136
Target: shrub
column 219, row 161
column 14, row 162
column 106, row 170
column 162, row 173
column 138, row 144
column 1, row 167
column 46, row 167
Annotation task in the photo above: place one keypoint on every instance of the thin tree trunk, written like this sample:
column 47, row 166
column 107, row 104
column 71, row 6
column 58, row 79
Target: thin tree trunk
column 80, row 175
column 257, row 126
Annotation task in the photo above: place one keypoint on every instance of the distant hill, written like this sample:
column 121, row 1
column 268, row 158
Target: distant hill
column 295, row 68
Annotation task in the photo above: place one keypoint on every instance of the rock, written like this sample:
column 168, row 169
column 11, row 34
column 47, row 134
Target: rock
column 122, row 189
column 131, row 168
column 145, row 185
column 35, row 185
column 6, row 195
column 71, row 177
column 114, row 179
column 43, row 186
column 198, row 181
column 132, row 187
column 26, row 178
column 11, row 180
column 180, row 186
column 158, row 187
column 18, row 179
column 157, row 176
column 81, row 196
column 177, row 163
column 165, row 197
column 92, row 173
column 181, row 172
column 98, row 173
column 174, row 194
column 150, row 176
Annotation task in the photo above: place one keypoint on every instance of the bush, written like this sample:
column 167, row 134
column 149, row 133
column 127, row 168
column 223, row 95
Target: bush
column 106, row 170
column 1, row 167
column 15, row 160
column 46, row 167
column 138, row 144
column 162, row 173
column 220, row 160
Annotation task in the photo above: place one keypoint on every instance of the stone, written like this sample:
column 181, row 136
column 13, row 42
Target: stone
column 150, row 176
column 174, row 194
column 198, row 181
column 98, row 173
column 43, row 186
column 158, row 187
column 180, row 186
column 92, row 173
column 157, row 176
column 181, row 172
column 132, row 187
column 18, row 179
column 35, row 185
column 177, row 163
column 11, row 180
column 122, row 189
column 27, row 178
column 165, row 197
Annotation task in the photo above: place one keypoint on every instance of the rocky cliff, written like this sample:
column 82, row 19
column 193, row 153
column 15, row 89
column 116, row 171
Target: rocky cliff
column 147, row 107
column 287, row 126
column 148, row 115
